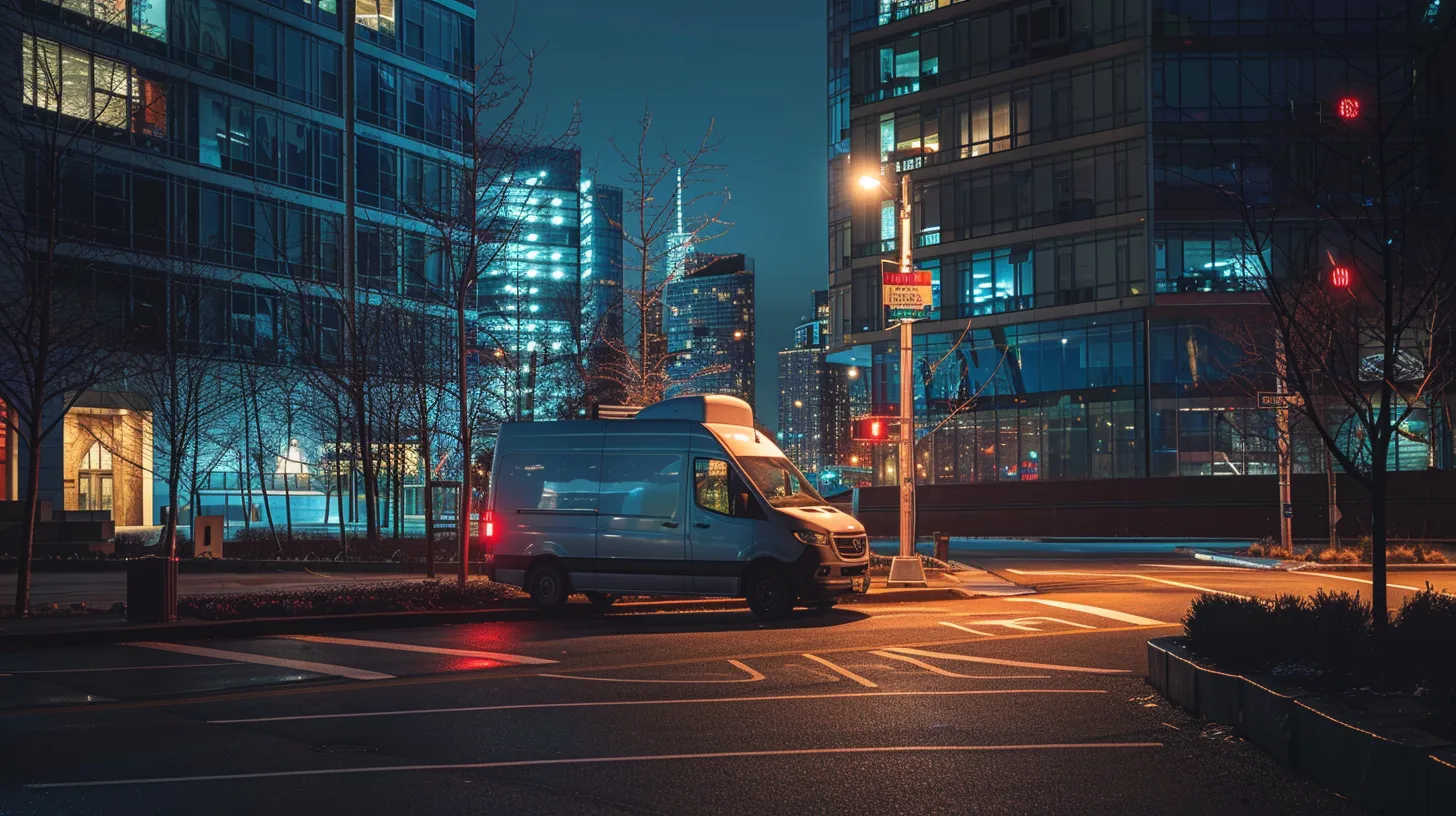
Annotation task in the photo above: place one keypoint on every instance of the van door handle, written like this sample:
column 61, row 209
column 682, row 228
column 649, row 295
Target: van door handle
column 702, row 525
column 672, row 524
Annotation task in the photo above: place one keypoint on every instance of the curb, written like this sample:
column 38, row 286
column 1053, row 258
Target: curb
column 1415, row 774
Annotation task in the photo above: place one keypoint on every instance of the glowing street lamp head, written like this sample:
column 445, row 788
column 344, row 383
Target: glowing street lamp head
column 869, row 182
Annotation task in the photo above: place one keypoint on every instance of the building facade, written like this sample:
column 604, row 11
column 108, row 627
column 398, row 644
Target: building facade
column 801, row 386
column 602, row 257
column 1066, row 157
column 265, row 155
column 707, row 319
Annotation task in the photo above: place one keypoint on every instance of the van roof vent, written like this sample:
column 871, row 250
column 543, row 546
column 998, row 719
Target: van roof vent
column 716, row 409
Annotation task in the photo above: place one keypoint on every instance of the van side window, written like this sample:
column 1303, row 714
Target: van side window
column 642, row 484
column 545, row 483
column 719, row 488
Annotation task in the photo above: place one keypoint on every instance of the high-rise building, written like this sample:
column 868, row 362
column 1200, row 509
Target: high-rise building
column 534, row 301
column 1063, row 157
column 707, row 319
column 801, row 384
column 263, row 147
column 602, row 245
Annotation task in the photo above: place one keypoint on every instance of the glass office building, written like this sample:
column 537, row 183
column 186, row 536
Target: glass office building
column 707, row 318
column 1066, row 158
column 266, row 147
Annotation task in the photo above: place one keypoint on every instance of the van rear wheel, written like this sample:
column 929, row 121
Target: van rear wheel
column 547, row 585
column 769, row 592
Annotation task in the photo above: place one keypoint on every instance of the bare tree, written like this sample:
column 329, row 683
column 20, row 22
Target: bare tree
column 672, row 204
column 1346, row 210
column 58, row 336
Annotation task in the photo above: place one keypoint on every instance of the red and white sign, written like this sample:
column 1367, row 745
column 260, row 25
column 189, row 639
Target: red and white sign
column 906, row 292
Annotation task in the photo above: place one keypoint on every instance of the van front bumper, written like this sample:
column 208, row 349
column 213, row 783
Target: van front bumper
column 823, row 577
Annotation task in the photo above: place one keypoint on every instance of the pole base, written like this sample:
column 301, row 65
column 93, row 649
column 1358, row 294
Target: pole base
column 907, row 570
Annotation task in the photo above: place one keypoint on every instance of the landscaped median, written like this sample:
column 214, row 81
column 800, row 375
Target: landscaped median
column 1371, row 718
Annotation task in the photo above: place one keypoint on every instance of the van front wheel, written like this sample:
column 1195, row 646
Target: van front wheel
column 547, row 586
column 769, row 592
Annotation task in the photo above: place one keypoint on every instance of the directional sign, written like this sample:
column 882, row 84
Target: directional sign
column 906, row 294
column 1272, row 400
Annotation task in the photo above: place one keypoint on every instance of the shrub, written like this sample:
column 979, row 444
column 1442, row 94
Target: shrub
column 384, row 596
column 1423, row 641
column 1341, row 555
column 1337, row 629
column 1233, row 631
column 1269, row 548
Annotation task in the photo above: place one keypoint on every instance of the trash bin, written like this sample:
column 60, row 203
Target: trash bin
column 942, row 546
column 151, row 590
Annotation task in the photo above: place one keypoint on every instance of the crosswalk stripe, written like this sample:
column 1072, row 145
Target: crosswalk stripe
column 410, row 647
column 945, row 673
column 841, row 670
column 265, row 660
column 999, row 662
column 1110, row 614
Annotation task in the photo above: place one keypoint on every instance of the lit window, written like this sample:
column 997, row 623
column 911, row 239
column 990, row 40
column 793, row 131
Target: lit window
column 147, row 17
column 77, row 83
column 376, row 15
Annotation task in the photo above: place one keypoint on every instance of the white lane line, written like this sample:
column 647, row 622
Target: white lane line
column 691, row 701
column 1110, row 614
column 123, row 668
column 1127, row 575
column 843, row 671
column 244, row 657
column 945, row 673
column 999, row 662
column 529, row 763
column 410, row 647
column 753, row 677
column 1193, row 567
column 1359, row 580
column 966, row 629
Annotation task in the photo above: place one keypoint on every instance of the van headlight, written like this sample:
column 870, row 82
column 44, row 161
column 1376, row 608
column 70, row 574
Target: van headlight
column 812, row 537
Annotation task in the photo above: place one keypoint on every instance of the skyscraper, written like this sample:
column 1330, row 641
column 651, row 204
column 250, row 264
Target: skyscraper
column 1063, row 158
column 801, row 387
column 602, row 246
column 257, row 151
column 708, row 322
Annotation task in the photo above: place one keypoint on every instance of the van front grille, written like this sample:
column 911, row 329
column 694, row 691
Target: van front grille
column 851, row 546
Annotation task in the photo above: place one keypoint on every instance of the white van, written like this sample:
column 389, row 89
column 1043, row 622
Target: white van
column 684, row 499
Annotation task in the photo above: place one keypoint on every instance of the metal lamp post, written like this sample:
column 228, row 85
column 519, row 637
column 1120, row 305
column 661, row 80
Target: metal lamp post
column 906, row 568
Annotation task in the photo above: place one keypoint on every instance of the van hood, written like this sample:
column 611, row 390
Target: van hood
column 824, row 518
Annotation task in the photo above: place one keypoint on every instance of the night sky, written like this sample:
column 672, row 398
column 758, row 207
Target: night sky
column 758, row 68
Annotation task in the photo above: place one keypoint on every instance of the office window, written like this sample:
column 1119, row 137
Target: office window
column 80, row 84
column 376, row 15
column 147, row 17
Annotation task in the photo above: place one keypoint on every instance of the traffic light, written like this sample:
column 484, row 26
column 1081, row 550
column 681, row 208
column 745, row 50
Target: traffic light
column 1340, row 277
column 872, row 429
column 1348, row 107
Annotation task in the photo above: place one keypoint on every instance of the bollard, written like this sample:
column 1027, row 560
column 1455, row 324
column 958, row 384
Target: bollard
column 942, row 546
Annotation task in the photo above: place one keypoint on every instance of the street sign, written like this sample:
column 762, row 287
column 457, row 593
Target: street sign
column 1289, row 511
column 1268, row 399
column 1335, row 511
column 906, row 294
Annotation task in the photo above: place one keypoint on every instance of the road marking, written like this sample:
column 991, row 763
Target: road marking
column 944, row 673
column 1127, row 575
column 966, row 629
column 410, row 647
column 691, row 701
column 753, row 677
column 123, row 668
column 1359, row 580
column 1110, row 614
column 530, row 763
column 842, row 670
column 1000, row 662
column 244, row 657
column 1192, row 567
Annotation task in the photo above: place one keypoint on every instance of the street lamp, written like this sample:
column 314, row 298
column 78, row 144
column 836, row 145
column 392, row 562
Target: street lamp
column 906, row 567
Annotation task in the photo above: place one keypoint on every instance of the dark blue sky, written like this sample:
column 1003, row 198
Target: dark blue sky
column 757, row 67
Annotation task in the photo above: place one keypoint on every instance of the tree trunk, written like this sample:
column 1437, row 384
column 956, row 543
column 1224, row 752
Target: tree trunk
column 366, row 462
column 32, row 509
column 1378, row 590
column 462, row 509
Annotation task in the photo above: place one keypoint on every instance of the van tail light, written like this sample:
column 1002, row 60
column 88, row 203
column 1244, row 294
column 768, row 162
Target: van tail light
column 488, row 526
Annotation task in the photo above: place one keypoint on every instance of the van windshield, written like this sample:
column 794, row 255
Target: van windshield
column 779, row 481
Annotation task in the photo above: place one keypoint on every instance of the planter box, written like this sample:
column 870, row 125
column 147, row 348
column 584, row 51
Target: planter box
column 1405, row 771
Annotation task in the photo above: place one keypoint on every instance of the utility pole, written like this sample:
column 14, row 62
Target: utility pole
column 906, row 568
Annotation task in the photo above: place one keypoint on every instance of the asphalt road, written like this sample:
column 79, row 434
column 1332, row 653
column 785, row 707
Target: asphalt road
column 102, row 589
column 1028, row 704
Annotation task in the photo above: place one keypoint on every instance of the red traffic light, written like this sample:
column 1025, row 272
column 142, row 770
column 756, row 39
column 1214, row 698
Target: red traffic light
column 1340, row 277
column 872, row 429
column 1348, row 107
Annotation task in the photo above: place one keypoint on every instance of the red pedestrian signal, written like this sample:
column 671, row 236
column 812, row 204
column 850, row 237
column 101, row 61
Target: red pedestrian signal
column 1340, row 277
column 872, row 429
column 1348, row 107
